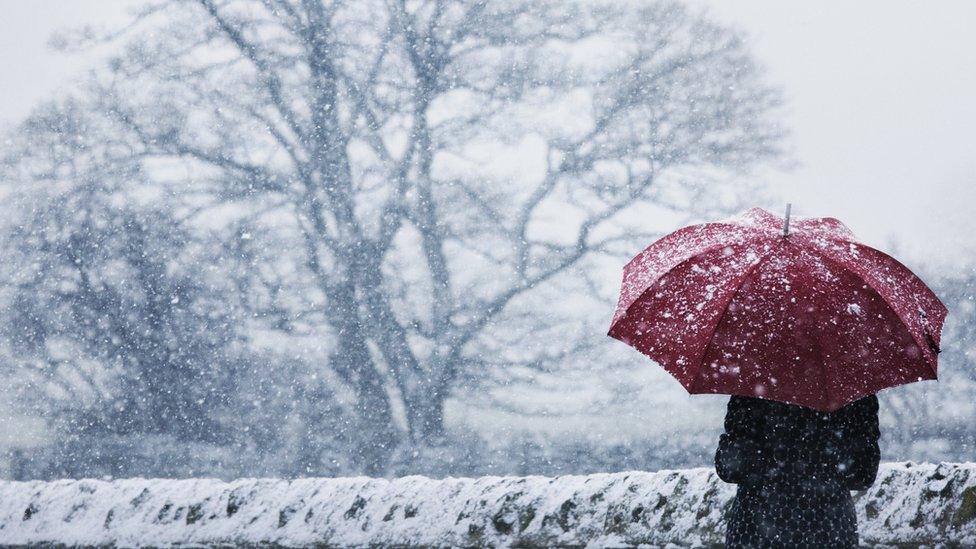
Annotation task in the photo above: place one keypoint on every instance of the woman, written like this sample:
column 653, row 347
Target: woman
column 795, row 468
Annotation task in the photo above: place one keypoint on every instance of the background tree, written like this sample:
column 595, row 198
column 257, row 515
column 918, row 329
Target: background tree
column 109, row 310
column 422, row 183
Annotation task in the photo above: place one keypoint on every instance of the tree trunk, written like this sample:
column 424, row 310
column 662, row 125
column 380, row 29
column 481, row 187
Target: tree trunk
column 374, row 433
column 428, row 419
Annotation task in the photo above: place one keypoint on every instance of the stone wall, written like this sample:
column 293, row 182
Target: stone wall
column 909, row 505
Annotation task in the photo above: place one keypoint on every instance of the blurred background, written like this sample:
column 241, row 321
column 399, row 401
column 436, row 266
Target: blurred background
column 293, row 238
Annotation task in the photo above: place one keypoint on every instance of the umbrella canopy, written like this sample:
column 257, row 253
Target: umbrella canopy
column 804, row 315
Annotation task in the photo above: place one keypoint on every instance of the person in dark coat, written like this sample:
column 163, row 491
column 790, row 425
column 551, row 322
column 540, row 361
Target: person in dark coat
column 795, row 468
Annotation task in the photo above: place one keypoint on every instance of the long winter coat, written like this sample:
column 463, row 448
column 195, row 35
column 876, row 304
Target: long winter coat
column 795, row 468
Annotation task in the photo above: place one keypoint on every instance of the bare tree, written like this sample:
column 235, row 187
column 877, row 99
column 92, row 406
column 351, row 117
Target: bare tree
column 108, row 317
column 403, row 160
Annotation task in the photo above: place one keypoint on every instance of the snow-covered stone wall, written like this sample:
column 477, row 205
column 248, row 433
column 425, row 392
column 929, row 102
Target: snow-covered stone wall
column 909, row 505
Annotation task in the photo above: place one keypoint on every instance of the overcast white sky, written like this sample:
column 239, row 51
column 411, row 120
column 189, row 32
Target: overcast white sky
column 883, row 104
column 882, row 100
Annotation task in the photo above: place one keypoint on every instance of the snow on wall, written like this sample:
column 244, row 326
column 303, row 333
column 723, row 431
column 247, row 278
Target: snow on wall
column 910, row 504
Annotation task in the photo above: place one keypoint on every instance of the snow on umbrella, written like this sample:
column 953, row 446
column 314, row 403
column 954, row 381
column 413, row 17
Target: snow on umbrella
column 799, row 313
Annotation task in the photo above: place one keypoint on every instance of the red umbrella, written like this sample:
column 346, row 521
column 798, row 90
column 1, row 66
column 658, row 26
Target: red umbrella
column 799, row 313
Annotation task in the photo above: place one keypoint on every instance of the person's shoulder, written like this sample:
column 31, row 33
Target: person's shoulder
column 754, row 404
column 863, row 405
column 739, row 400
column 869, row 403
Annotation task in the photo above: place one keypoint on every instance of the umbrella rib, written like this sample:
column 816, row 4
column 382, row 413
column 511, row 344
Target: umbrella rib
column 695, row 255
column 825, row 378
column 725, row 309
column 922, row 345
column 722, row 244
column 901, row 266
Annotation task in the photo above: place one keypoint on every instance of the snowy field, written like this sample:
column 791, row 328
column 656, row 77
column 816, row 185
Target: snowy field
column 910, row 505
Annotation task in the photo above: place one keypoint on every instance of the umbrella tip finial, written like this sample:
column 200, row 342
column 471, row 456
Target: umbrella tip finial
column 786, row 224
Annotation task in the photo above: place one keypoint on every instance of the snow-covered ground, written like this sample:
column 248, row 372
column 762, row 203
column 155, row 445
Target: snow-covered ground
column 909, row 505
